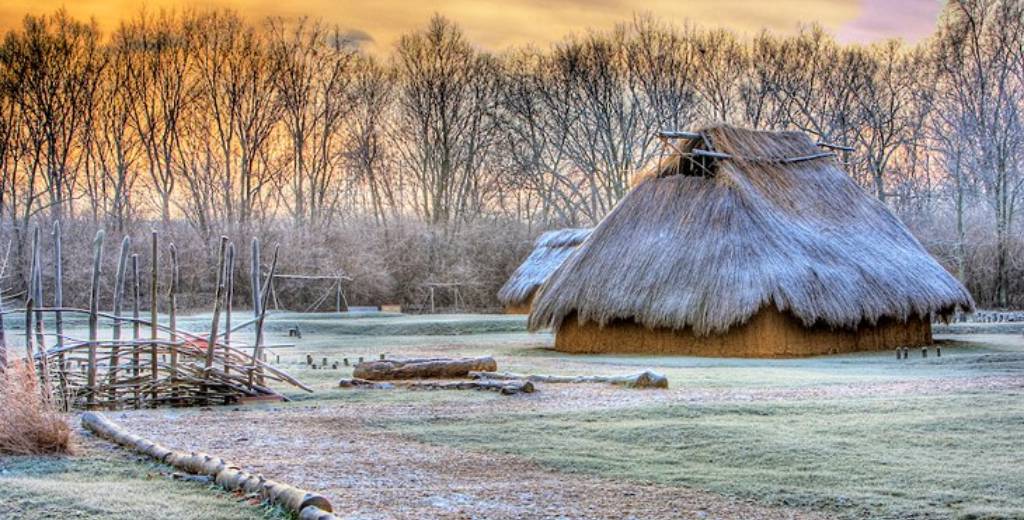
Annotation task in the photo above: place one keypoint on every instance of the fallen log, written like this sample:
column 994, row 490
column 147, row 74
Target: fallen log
column 363, row 383
column 645, row 379
column 504, row 387
column 437, row 368
column 307, row 505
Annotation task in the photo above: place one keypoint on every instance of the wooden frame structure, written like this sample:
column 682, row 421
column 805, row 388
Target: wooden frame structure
column 337, row 286
column 170, row 366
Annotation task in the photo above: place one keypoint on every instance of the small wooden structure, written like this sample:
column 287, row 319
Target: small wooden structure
column 157, row 364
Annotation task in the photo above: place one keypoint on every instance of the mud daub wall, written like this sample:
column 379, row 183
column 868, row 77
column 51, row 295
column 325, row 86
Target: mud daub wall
column 522, row 308
column 769, row 333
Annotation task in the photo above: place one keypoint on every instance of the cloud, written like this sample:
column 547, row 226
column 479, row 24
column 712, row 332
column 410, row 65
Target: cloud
column 911, row 20
column 498, row 24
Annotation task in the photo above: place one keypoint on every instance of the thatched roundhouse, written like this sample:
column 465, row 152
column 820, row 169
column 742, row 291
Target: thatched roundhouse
column 550, row 250
column 751, row 244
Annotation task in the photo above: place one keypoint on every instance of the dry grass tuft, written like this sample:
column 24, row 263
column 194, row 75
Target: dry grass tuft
column 30, row 424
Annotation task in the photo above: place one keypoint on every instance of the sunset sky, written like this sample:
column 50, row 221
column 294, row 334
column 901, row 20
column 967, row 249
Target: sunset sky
column 498, row 24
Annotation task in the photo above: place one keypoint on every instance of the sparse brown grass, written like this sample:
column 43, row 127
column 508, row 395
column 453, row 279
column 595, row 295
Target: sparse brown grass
column 30, row 424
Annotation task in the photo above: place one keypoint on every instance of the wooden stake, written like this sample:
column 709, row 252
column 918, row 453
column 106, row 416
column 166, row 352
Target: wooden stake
column 29, row 350
column 3, row 339
column 217, row 301
column 154, row 253
column 258, row 347
column 229, row 276
column 136, row 330
column 172, row 310
column 94, row 309
column 122, row 268
column 58, row 294
column 254, row 278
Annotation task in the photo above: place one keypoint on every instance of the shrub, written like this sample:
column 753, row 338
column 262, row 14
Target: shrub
column 30, row 424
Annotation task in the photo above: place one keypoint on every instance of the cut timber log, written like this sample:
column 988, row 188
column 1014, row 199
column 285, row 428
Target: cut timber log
column 503, row 386
column 645, row 379
column 438, row 368
column 364, row 383
column 303, row 503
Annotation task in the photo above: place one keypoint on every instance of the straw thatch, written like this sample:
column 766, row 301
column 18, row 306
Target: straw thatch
column 550, row 250
column 702, row 244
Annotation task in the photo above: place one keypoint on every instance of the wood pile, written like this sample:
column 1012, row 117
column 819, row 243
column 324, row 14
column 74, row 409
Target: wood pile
column 305, row 504
column 156, row 364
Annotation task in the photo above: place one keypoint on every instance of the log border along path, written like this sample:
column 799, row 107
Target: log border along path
column 306, row 505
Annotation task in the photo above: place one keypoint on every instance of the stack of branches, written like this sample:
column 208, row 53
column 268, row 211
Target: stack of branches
column 170, row 366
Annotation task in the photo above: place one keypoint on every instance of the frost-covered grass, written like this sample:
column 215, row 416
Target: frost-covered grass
column 934, row 443
column 934, row 456
column 100, row 484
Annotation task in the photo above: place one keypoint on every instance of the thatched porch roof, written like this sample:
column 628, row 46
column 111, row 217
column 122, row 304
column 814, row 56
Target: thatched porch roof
column 762, row 218
column 549, row 251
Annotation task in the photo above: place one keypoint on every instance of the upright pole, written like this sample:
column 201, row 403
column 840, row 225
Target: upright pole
column 229, row 277
column 122, row 273
column 153, row 309
column 218, row 298
column 337, row 295
column 36, row 288
column 3, row 337
column 254, row 278
column 94, row 309
column 58, row 299
column 172, row 314
column 29, row 350
column 136, row 332
column 257, row 352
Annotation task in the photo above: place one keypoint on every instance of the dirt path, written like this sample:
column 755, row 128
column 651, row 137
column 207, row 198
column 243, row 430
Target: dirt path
column 371, row 473
column 368, row 473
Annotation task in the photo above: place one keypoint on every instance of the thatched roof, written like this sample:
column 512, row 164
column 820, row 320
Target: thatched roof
column 775, row 223
column 549, row 251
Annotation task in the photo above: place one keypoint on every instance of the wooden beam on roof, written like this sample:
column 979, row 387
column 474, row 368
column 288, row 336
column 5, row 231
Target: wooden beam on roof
column 833, row 146
column 678, row 134
column 709, row 153
column 787, row 160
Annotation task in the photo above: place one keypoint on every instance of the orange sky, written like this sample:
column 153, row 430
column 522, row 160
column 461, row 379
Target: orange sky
column 497, row 24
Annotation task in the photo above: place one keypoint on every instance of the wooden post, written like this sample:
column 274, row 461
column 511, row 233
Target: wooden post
column 218, row 298
column 229, row 276
column 154, row 331
column 337, row 296
column 36, row 290
column 3, row 338
column 94, row 310
column 254, row 278
column 258, row 348
column 172, row 314
column 58, row 296
column 136, row 330
column 122, row 272
column 29, row 350
column 431, row 299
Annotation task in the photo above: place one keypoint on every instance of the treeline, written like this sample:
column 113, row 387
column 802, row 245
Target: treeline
column 440, row 162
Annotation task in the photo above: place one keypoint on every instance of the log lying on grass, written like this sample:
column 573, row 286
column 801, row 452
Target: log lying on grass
column 504, row 387
column 308, row 506
column 645, row 379
column 437, row 368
